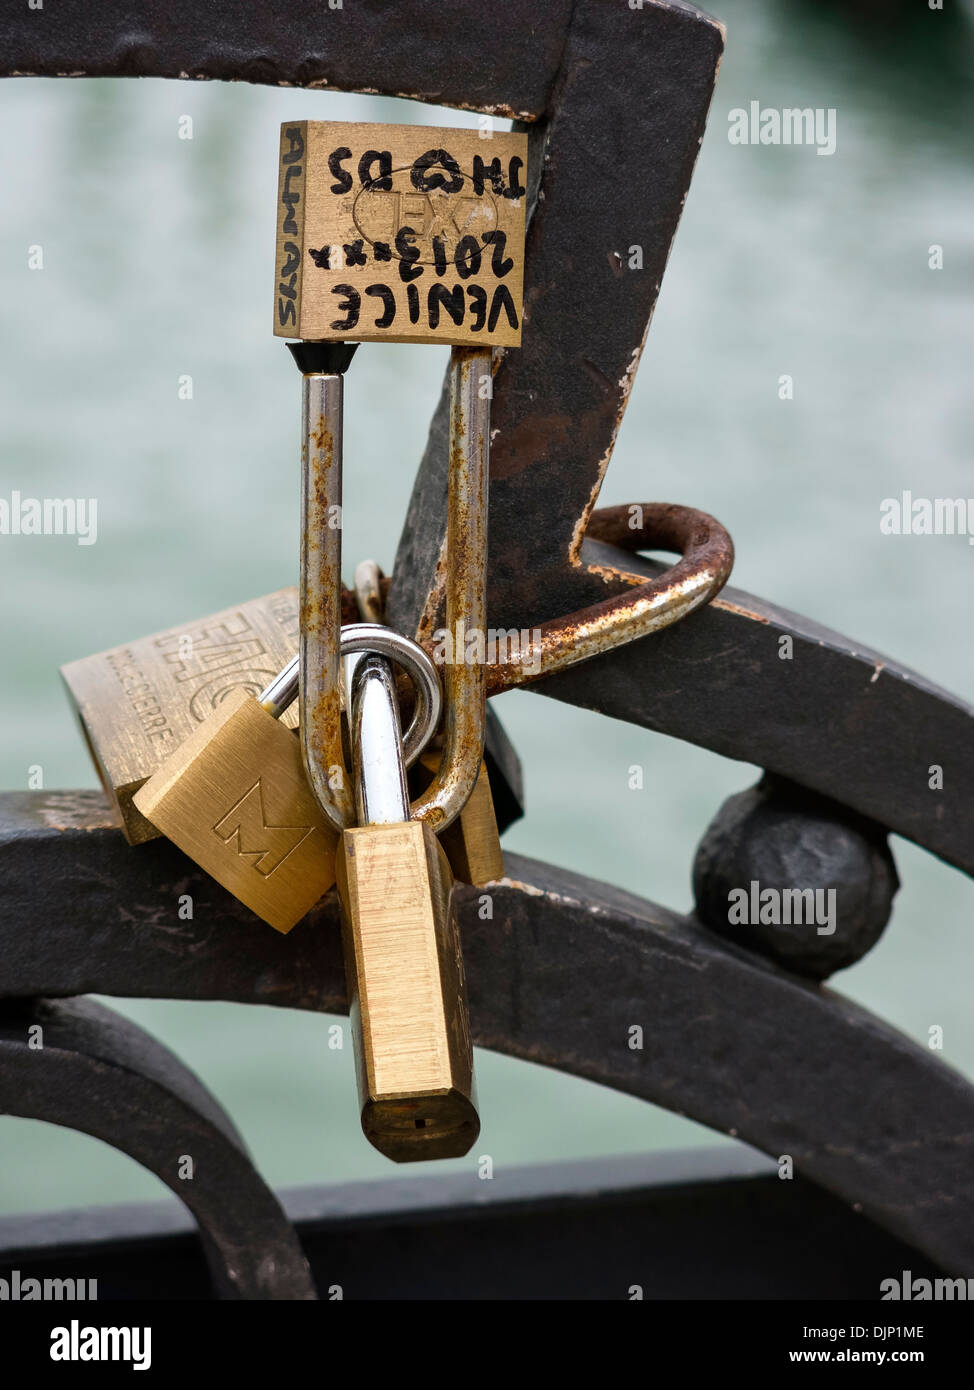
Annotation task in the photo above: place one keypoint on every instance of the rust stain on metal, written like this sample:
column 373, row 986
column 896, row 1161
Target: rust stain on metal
column 323, row 439
column 530, row 440
column 742, row 612
column 624, row 386
column 463, row 565
column 323, row 601
column 437, row 600
column 74, row 811
column 318, row 600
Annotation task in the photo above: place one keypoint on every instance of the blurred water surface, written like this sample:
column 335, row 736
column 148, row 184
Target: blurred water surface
column 158, row 256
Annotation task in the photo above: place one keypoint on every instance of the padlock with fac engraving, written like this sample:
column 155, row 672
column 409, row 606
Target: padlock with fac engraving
column 138, row 703
column 403, row 964
column 428, row 246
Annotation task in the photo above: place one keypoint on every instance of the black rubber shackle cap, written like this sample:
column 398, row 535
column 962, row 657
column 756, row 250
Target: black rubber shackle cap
column 330, row 358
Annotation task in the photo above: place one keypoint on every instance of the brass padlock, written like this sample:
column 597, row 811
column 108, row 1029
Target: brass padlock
column 234, row 797
column 400, row 233
column 472, row 843
column 403, row 965
column 138, row 703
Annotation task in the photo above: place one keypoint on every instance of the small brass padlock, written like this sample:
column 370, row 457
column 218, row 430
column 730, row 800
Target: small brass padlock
column 403, row 965
column 400, row 233
column 472, row 843
column 138, row 703
column 234, row 797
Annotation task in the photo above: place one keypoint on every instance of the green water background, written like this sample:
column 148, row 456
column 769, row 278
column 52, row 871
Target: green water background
column 157, row 262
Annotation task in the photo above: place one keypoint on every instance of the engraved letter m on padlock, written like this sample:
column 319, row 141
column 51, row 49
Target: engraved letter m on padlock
column 266, row 846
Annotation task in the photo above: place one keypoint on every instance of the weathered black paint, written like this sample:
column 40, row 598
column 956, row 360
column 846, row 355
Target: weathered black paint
column 782, row 838
column 507, row 61
column 559, row 976
column 674, row 1223
column 100, row 1074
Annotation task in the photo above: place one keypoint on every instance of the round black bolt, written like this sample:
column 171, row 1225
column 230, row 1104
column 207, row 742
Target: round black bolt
column 796, row 877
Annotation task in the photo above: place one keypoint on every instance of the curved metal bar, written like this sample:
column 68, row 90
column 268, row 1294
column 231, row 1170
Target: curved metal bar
column 507, row 62
column 101, row 1075
column 737, row 1045
column 563, row 972
column 381, row 794
column 360, row 639
column 465, row 585
column 707, row 553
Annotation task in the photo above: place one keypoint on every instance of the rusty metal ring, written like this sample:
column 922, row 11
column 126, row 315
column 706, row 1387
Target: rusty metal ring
column 376, row 640
column 707, row 557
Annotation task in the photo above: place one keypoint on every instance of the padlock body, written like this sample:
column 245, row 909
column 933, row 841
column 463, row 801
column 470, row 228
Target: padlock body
column 472, row 843
column 138, row 703
column 234, row 797
column 400, row 233
column 407, row 995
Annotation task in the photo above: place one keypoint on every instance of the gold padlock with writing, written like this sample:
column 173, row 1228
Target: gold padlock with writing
column 400, row 233
column 138, row 703
column 234, row 797
column 403, row 964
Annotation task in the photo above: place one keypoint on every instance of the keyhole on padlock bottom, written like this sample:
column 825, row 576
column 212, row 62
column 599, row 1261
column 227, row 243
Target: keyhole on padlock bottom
column 420, row 1124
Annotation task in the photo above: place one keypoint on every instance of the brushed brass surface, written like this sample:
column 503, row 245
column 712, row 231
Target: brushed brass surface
column 407, row 998
column 399, row 233
column 234, row 797
column 137, row 703
column 472, row 843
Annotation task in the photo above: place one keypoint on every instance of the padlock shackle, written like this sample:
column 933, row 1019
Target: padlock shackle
column 466, row 581
column 372, row 639
column 322, row 403
column 464, row 681
column 359, row 638
column 378, row 763
column 280, row 693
